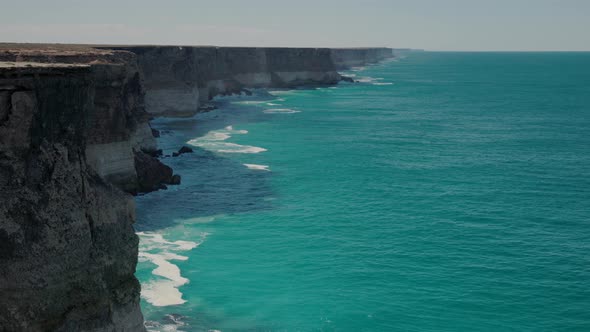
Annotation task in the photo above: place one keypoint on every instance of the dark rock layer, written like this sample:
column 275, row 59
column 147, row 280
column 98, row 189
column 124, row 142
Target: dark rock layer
column 152, row 174
column 68, row 250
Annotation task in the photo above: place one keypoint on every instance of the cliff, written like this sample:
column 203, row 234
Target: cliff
column 118, row 128
column 178, row 79
column 68, row 250
column 75, row 136
column 344, row 58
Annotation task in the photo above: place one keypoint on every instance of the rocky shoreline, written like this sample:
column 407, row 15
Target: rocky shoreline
column 75, row 142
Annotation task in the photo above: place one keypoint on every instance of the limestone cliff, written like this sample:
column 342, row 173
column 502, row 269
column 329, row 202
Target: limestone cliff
column 74, row 131
column 179, row 79
column 68, row 250
column 118, row 126
column 357, row 57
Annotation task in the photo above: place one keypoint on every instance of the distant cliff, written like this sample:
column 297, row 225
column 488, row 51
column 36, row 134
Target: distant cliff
column 357, row 57
column 178, row 80
column 75, row 137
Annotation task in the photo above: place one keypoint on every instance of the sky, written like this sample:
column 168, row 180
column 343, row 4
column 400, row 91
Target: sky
column 445, row 25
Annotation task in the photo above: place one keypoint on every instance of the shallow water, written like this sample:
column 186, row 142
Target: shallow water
column 445, row 192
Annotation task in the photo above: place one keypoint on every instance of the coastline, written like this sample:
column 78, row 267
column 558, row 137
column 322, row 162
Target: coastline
column 114, row 146
column 208, row 133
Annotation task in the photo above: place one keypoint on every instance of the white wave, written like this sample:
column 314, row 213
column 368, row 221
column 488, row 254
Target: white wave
column 281, row 92
column 237, row 148
column 163, row 290
column 257, row 167
column 177, row 323
column 383, row 83
column 216, row 141
column 231, row 130
column 156, row 240
column 157, row 327
column 249, row 102
column 273, row 104
column 280, row 111
column 225, row 147
column 366, row 80
column 197, row 220
column 217, row 136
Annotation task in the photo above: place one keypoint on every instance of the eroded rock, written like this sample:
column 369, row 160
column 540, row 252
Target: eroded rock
column 68, row 250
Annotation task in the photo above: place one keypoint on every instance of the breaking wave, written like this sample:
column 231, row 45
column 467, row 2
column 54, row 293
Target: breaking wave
column 216, row 141
column 163, row 290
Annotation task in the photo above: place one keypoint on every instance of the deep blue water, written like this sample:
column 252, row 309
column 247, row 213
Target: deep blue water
column 445, row 192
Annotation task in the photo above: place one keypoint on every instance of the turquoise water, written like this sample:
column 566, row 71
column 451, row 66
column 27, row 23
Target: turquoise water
column 446, row 192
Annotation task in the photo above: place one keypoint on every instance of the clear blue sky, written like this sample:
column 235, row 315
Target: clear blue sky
column 429, row 24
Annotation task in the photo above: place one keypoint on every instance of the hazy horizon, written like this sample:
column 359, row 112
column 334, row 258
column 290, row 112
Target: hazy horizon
column 457, row 25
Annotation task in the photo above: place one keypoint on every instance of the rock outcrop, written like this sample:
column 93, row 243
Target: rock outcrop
column 152, row 173
column 68, row 250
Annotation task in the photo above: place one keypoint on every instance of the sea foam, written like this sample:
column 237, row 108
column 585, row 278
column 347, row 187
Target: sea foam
column 257, row 167
column 249, row 102
column 280, row 111
column 163, row 290
column 197, row 220
column 216, row 141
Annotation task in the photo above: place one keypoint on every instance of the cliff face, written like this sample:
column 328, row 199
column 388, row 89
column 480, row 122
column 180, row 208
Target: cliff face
column 180, row 79
column 68, row 250
column 357, row 57
column 117, row 124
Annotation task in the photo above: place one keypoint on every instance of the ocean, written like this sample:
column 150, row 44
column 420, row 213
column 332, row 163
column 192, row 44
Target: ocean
column 443, row 192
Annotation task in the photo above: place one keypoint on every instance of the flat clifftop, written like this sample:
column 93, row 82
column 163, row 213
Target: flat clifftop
column 24, row 65
column 53, row 51
column 84, row 54
column 9, row 69
column 107, row 48
column 56, row 49
column 36, row 55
